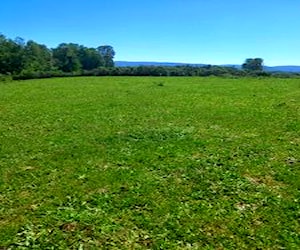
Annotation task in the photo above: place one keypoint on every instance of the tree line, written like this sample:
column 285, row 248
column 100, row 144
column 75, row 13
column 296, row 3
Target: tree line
column 26, row 60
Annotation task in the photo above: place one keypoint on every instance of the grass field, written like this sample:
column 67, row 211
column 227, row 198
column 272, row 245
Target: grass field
column 150, row 163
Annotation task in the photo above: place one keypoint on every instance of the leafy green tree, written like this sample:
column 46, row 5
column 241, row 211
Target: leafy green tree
column 67, row 58
column 107, row 52
column 253, row 64
column 38, row 58
column 32, row 60
column 90, row 58
column 11, row 56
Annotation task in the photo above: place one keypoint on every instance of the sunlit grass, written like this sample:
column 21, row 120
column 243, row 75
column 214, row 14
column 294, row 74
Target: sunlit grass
column 158, row 163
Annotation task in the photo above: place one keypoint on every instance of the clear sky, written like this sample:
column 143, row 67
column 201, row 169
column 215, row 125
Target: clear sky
column 189, row 31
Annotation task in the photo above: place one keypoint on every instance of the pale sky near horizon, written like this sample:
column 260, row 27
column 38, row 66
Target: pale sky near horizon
column 188, row 31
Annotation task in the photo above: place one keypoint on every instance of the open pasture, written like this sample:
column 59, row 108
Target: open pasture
column 150, row 163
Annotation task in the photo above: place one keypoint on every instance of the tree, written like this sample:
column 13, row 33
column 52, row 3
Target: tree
column 66, row 57
column 37, row 58
column 24, row 60
column 107, row 52
column 11, row 56
column 90, row 58
column 253, row 64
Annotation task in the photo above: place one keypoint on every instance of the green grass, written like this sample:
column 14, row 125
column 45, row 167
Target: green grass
column 150, row 163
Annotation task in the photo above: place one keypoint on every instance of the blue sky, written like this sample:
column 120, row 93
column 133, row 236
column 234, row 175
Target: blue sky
column 189, row 31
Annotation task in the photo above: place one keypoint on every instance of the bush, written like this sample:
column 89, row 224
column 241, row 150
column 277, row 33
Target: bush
column 5, row 78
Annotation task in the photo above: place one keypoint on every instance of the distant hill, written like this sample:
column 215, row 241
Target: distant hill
column 287, row 68
column 293, row 69
column 167, row 64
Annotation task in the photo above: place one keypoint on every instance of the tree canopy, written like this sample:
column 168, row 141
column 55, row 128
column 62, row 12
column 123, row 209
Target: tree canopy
column 23, row 60
column 107, row 52
column 253, row 64
column 18, row 57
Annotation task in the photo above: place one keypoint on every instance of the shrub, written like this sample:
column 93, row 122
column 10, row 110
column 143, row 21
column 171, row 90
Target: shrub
column 5, row 78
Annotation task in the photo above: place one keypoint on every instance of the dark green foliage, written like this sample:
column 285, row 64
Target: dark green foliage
column 21, row 60
column 37, row 58
column 73, row 58
column 90, row 58
column 32, row 60
column 107, row 52
column 5, row 78
column 11, row 56
column 66, row 57
column 253, row 65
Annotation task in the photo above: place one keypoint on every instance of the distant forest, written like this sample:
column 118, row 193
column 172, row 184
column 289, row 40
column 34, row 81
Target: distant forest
column 27, row 60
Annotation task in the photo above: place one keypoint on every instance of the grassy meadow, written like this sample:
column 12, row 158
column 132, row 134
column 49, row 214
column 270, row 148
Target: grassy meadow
column 150, row 163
